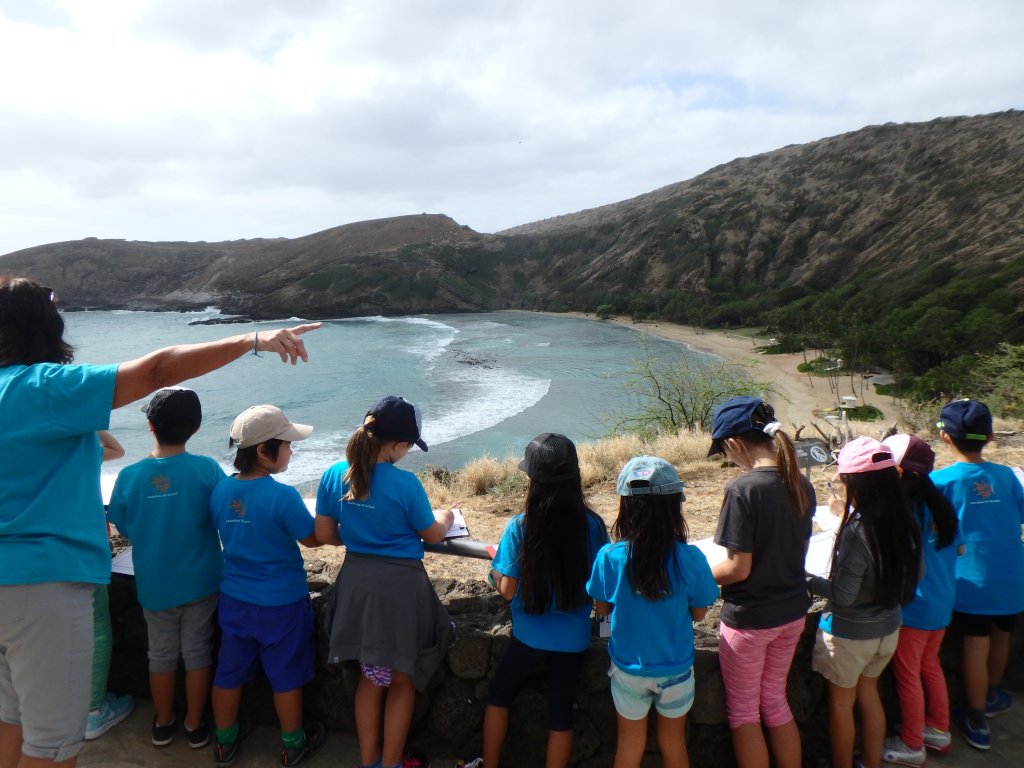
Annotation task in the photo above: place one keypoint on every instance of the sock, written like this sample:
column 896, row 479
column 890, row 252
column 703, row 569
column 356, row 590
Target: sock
column 228, row 735
column 976, row 717
column 293, row 740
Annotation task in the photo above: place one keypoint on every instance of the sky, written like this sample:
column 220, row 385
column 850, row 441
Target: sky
column 226, row 119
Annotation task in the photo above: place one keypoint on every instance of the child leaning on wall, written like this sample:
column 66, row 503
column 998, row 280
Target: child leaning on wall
column 654, row 585
column 162, row 504
column 266, row 615
column 989, row 503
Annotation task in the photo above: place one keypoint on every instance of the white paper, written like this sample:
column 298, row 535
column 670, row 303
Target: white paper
column 458, row 527
column 122, row 563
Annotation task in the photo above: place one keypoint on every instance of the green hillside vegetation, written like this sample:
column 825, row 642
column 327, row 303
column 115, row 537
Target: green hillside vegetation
column 898, row 246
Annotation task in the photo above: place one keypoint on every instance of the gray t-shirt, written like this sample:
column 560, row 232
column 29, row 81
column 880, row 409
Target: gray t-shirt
column 758, row 517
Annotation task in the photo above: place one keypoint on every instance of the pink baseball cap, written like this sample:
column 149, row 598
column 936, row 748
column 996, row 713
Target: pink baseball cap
column 865, row 454
column 911, row 453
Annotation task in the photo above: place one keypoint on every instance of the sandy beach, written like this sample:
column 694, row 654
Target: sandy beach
column 798, row 396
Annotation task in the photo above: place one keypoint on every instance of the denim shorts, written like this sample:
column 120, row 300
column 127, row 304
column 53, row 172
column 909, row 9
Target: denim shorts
column 672, row 695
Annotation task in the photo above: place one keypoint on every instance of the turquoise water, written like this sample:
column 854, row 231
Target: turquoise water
column 486, row 383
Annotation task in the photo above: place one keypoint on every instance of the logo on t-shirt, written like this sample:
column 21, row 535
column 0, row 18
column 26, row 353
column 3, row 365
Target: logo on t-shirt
column 237, row 514
column 982, row 489
column 161, row 482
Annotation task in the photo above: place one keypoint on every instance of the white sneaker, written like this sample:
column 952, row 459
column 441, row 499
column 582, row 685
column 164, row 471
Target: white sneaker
column 896, row 751
column 937, row 740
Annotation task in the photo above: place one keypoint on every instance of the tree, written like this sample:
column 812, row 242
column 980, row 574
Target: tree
column 683, row 394
column 605, row 311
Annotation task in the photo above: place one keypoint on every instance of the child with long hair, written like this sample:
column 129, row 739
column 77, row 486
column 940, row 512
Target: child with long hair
column 654, row 585
column 765, row 525
column 542, row 565
column 386, row 614
column 920, row 682
column 875, row 564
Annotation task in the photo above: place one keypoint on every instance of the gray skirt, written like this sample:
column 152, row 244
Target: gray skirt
column 386, row 613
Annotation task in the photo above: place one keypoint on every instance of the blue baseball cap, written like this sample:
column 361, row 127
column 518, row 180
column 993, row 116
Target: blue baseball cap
column 739, row 416
column 648, row 475
column 395, row 418
column 966, row 419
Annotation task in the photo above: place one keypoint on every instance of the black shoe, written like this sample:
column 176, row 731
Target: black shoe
column 200, row 737
column 316, row 735
column 225, row 754
column 164, row 734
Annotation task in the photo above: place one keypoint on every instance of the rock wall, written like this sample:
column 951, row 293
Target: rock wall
column 449, row 714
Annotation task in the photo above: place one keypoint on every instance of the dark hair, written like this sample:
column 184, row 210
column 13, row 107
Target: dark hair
column 788, row 469
column 966, row 445
column 247, row 458
column 921, row 492
column 173, row 433
column 893, row 538
column 556, row 557
column 31, row 328
column 361, row 454
column 651, row 524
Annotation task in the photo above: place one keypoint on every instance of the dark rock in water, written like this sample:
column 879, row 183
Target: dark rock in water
column 222, row 320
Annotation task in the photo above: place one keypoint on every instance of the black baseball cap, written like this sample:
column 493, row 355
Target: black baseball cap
column 395, row 418
column 550, row 458
column 175, row 406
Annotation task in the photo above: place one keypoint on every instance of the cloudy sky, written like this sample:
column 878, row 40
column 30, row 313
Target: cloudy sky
column 224, row 119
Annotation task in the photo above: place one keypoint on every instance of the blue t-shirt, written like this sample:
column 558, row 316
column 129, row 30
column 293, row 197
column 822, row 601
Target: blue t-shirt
column 652, row 638
column 990, row 504
column 932, row 606
column 163, row 506
column 387, row 521
column 260, row 522
column 51, row 512
column 553, row 630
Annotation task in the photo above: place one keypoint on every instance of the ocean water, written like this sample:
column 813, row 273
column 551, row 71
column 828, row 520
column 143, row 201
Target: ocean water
column 486, row 383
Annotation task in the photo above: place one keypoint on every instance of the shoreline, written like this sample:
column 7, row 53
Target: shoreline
column 797, row 395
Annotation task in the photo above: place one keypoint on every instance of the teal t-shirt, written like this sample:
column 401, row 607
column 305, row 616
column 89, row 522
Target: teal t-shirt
column 932, row 606
column 52, row 526
column 989, row 501
column 652, row 638
column 553, row 630
column 260, row 523
column 163, row 506
column 387, row 522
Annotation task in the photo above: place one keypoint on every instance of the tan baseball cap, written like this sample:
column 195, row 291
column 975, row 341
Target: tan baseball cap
column 260, row 423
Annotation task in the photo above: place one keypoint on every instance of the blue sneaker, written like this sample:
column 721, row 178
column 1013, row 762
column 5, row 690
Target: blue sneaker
column 997, row 701
column 977, row 735
column 112, row 711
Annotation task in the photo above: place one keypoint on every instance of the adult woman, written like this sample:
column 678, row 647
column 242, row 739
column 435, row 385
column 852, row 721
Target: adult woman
column 52, row 528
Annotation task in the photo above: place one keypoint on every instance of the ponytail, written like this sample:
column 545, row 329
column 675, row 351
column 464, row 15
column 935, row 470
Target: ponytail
column 789, row 472
column 789, row 467
column 361, row 453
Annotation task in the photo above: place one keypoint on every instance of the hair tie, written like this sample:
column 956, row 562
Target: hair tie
column 771, row 428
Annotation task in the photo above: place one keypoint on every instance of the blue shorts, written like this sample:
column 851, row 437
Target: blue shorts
column 672, row 695
column 278, row 636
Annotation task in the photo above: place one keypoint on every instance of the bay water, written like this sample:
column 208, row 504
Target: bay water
column 486, row 383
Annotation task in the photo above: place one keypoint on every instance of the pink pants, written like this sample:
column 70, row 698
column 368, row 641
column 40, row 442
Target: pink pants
column 755, row 664
column 919, row 679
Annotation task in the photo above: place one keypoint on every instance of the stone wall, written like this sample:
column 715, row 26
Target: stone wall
column 449, row 715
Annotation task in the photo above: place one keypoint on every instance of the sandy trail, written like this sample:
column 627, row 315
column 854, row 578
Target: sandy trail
column 799, row 395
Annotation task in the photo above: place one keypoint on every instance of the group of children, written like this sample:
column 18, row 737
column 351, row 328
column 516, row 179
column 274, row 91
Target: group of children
column 895, row 562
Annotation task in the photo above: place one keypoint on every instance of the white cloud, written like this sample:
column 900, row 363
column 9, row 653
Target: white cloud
column 189, row 120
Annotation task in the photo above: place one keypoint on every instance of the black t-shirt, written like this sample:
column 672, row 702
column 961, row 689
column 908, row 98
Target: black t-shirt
column 758, row 517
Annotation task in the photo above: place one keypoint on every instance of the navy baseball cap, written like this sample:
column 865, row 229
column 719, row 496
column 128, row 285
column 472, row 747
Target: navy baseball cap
column 648, row 475
column 738, row 416
column 395, row 418
column 550, row 458
column 966, row 419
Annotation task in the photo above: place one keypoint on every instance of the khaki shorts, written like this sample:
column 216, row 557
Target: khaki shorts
column 843, row 661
